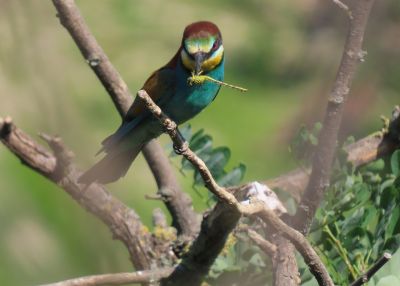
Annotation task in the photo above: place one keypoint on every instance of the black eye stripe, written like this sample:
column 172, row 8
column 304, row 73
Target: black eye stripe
column 187, row 53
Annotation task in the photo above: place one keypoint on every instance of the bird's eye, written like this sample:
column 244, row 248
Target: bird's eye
column 215, row 45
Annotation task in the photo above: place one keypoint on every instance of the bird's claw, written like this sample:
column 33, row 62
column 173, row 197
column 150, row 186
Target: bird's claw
column 179, row 150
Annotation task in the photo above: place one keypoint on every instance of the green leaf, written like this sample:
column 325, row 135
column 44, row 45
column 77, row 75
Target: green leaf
column 219, row 157
column 393, row 224
column 233, row 177
column 395, row 163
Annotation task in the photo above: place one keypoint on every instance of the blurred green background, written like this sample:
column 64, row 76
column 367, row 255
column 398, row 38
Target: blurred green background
column 285, row 52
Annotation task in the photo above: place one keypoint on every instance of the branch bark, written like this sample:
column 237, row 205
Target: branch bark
column 179, row 204
column 122, row 221
column 325, row 152
column 267, row 247
column 372, row 271
column 147, row 276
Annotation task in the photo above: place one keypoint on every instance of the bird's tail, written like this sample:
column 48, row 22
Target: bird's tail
column 111, row 167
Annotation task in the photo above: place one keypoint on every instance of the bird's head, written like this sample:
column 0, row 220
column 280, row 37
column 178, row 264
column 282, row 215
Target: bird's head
column 202, row 48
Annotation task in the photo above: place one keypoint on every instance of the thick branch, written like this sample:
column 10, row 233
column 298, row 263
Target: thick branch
column 302, row 245
column 324, row 155
column 123, row 222
column 215, row 229
column 179, row 204
column 147, row 276
column 72, row 20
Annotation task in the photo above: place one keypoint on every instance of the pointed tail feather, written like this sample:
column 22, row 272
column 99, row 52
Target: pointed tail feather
column 110, row 168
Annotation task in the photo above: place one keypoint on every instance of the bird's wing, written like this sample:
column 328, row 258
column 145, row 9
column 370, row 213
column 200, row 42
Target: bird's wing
column 160, row 86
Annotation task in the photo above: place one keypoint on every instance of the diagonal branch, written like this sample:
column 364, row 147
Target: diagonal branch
column 325, row 152
column 372, row 271
column 179, row 204
column 122, row 221
column 228, row 200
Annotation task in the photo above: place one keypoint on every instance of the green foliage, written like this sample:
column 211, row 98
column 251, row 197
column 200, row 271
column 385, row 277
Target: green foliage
column 216, row 159
column 359, row 220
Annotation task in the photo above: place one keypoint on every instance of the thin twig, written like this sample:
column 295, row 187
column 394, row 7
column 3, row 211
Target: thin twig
column 344, row 7
column 371, row 272
column 146, row 276
column 266, row 246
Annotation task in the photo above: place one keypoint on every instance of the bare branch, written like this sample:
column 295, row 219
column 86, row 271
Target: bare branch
column 325, row 152
column 146, row 276
column 215, row 229
column 266, row 246
column 72, row 20
column 185, row 219
column 123, row 222
column 179, row 204
column 311, row 258
column 371, row 272
column 285, row 269
column 228, row 200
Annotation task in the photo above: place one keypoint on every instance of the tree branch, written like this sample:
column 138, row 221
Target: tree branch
column 228, row 200
column 371, row 272
column 147, row 276
column 122, row 221
column 324, row 155
column 179, row 204
column 360, row 153
column 185, row 218
column 267, row 247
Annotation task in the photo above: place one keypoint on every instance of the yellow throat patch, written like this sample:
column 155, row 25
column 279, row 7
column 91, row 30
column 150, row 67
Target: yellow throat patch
column 208, row 65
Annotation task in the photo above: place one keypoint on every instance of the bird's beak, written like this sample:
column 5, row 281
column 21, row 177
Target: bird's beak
column 198, row 61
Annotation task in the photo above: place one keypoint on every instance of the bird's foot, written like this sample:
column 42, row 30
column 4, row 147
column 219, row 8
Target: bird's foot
column 179, row 150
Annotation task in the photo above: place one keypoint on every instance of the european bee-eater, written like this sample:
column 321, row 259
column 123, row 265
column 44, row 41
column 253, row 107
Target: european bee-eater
column 201, row 52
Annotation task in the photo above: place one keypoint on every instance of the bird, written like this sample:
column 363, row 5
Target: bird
column 201, row 52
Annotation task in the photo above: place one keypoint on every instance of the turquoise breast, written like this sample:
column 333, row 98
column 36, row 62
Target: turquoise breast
column 189, row 100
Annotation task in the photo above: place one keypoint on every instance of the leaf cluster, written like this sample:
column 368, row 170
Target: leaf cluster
column 359, row 219
column 216, row 159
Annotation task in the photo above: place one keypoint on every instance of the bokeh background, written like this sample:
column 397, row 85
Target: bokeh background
column 285, row 52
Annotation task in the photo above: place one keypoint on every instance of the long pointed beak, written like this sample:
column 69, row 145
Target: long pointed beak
column 198, row 60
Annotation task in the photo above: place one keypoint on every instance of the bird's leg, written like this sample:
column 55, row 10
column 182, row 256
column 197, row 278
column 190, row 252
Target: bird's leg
column 183, row 144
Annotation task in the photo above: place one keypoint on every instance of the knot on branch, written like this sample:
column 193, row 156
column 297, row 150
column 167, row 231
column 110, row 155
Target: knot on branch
column 63, row 156
column 93, row 61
